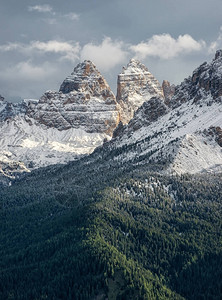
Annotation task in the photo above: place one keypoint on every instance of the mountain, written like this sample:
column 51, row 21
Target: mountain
column 122, row 223
column 84, row 101
column 135, row 85
column 177, row 128
column 182, row 132
column 60, row 126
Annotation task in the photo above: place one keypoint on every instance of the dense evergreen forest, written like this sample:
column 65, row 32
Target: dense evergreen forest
column 92, row 231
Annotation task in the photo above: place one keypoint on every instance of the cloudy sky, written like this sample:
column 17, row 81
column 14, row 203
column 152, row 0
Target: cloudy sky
column 42, row 41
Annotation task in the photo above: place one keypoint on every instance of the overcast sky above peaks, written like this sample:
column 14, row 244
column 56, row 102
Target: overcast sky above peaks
column 42, row 41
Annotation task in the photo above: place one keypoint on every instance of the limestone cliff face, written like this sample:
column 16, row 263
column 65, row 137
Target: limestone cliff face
column 84, row 101
column 135, row 85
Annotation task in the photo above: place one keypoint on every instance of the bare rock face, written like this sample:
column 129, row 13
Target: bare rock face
column 168, row 90
column 87, row 79
column 135, row 85
column 84, row 101
column 148, row 113
column 216, row 133
column 209, row 76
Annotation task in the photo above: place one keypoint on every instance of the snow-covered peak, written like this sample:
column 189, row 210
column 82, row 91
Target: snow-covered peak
column 134, row 67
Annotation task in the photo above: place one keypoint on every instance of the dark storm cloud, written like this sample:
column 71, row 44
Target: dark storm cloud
column 41, row 41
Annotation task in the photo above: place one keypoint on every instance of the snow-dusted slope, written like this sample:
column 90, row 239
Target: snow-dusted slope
column 135, row 85
column 38, row 145
column 184, row 136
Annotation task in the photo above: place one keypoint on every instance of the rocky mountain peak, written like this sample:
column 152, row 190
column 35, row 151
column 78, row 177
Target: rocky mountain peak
column 134, row 67
column 84, row 101
column 85, row 69
column 87, row 79
column 209, row 77
column 135, row 85
column 204, row 84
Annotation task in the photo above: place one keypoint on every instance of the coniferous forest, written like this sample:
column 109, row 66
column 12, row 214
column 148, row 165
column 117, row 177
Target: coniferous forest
column 93, row 231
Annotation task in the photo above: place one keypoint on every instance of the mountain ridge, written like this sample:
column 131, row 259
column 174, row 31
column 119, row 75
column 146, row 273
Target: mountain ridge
column 160, row 123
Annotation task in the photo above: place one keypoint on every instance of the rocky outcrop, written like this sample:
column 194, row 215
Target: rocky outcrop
column 215, row 133
column 135, row 85
column 209, row 76
column 168, row 91
column 84, row 101
column 205, row 83
column 149, row 112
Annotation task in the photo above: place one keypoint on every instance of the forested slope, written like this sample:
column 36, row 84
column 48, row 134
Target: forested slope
column 79, row 232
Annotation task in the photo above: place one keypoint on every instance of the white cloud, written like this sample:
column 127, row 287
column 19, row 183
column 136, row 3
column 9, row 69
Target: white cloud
column 106, row 55
column 216, row 45
column 45, row 8
column 165, row 46
column 67, row 50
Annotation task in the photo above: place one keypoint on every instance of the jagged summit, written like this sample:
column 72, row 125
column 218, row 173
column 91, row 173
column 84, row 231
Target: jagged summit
column 62, row 125
column 166, row 124
column 84, row 100
column 87, row 79
column 135, row 85
column 205, row 84
column 134, row 67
